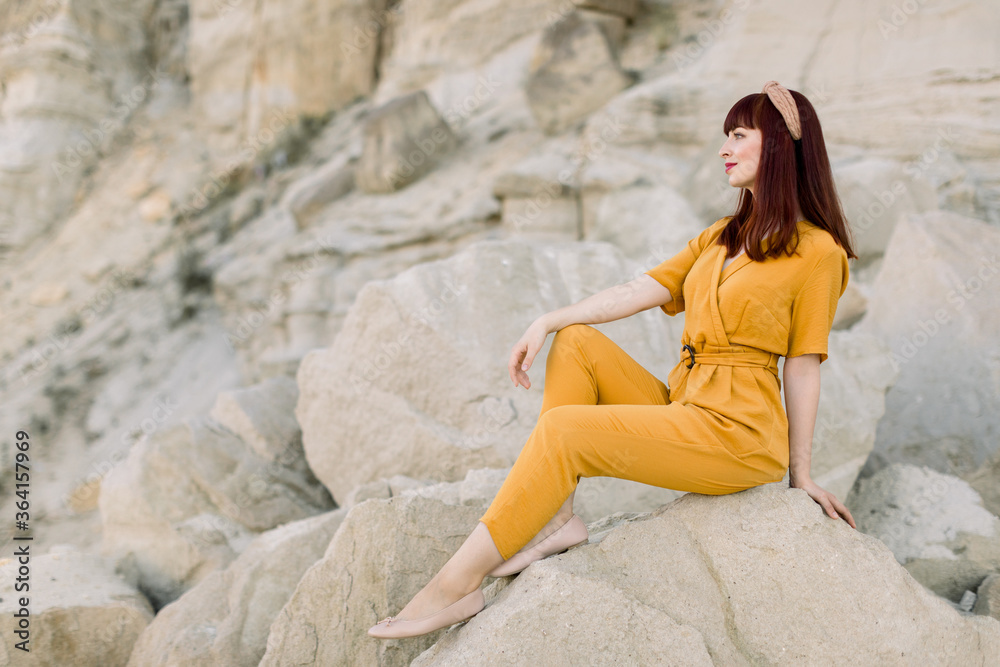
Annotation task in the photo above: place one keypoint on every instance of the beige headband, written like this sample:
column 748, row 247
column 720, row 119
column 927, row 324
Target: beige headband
column 785, row 103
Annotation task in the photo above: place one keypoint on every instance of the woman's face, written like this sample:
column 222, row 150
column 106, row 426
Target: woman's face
column 741, row 153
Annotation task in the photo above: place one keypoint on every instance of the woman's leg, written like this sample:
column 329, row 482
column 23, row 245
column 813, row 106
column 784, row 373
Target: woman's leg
column 585, row 368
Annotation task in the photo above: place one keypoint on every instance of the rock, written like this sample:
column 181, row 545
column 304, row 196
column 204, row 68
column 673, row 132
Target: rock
column 646, row 222
column 251, row 63
column 935, row 303
column 986, row 480
column 189, row 499
column 49, row 294
column 624, row 8
column 538, row 198
column 988, row 597
column 225, row 618
column 81, row 613
column 73, row 74
column 263, row 417
column 383, row 553
column 756, row 577
column 403, row 140
column 155, row 207
column 934, row 524
column 876, row 193
column 331, row 181
column 574, row 71
column 418, row 373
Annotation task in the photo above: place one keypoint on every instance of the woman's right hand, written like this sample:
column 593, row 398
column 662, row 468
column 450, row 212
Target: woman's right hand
column 524, row 352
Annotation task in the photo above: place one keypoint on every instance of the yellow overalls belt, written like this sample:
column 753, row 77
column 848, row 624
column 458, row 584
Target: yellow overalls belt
column 729, row 355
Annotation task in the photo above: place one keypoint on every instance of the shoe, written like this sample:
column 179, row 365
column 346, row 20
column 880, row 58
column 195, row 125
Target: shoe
column 571, row 534
column 466, row 608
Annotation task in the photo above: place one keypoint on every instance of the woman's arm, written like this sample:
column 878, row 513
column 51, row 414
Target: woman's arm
column 801, row 379
column 611, row 304
column 608, row 305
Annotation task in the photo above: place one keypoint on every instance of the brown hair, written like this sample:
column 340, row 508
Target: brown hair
column 790, row 173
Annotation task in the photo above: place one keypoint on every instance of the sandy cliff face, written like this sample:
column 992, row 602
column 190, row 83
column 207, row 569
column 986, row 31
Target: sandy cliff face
column 215, row 213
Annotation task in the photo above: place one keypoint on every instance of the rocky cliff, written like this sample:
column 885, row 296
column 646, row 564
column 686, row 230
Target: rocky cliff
column 262, row 263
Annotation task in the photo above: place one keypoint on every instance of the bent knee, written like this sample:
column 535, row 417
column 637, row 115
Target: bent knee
column 574, row 333
column 556, row 422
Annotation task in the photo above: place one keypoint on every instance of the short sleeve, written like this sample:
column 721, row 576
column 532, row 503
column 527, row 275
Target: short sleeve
column 815, row 306
column 671, row 273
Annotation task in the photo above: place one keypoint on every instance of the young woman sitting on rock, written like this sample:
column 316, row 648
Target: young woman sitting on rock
column 755, row 286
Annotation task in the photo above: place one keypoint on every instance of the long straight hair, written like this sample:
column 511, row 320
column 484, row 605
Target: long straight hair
column 790, row 173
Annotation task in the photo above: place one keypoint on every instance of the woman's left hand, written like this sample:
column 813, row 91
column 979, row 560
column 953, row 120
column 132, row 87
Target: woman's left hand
column 829, row 502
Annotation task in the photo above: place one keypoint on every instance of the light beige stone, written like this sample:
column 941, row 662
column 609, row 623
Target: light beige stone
column 403, row 140
column 155, row 207
column 935, row 303
column 757, row 577
column 189, row 499
column 934, row 524
column 988, row 597
column 383, row 553
column 80, row 611
column 574, row 71
column 225, row 618
column 49, row 294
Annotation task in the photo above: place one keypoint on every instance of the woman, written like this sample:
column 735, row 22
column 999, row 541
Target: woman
column 758, row 285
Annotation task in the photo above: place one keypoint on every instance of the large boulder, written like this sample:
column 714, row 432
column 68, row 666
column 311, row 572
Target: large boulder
column 189, row 499
column 79, row 611
column 596, row 499
column 934, row 524
column 225, row 618
column 935, row 303
column 382, row 555
column 757, row 577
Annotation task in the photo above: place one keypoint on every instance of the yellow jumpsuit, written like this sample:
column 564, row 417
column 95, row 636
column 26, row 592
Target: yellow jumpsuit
column 720, row 426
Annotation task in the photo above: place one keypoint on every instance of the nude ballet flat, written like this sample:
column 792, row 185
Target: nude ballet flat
column 571, row 534
column 467, row 607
